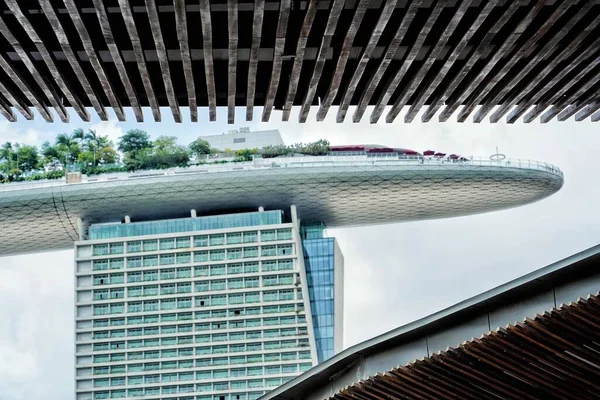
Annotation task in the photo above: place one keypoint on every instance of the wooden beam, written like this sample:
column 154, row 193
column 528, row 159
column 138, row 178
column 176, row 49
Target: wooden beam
column 454, row 87
column 586, row 112
column 140, row 57
column 433, row 54
column 5, row 109
column 49, row 92
column 527, row 94
column 16, row 102
column 26, row 89
column 429, row 87
column 257, row 21
column 74, row 61
column 554, row 90
column 575, row 99
column 584, row 100
column 473, row 56
column 282, row 22
column 232, row 51
column 548, row 45
column 163, row 59
column 207, row 49
column 115, row 53
column 596, row 117
column 299, row 58
column 407, row 61
column 64, row 86
column 477, row 91
column 340, row 68
column 186, row 58
column 365, row 57
column 334, row 15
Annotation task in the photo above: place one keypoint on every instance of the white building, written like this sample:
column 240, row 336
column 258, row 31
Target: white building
column 244, row 139
column 223, row 307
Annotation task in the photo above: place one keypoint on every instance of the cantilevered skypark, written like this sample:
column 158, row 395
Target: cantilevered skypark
column 521, row 59
column 335, row 190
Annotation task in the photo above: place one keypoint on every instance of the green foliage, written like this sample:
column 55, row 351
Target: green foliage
column 244, row 155
column 200, row 147
column 134, row 140
column 102, row 169
column 276, row 151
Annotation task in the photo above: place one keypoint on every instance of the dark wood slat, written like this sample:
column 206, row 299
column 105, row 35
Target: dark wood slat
column 26, row 90
column 393, row 83
column 299, row 58
column 478, row 85
column 556, row 96
column 586, row 112
column 340, row 68
column 74, row 62
column 461, row 91
column 417, row 79
column 365, row 57
column 232, row 18
column 163, row 59
column 257, row 21
column 64, row 86
column 529, row 96
column 282, row 22
column 115, row 53
column 140, row 57
column 5, row 109
column 548, row 47
column 332, row 20
column 429, row 87
column 596, row 117
column 209, row 68
column 15, row 101
column 186, row 58
column 576, row 101
column 48, row 91
column 391, row 50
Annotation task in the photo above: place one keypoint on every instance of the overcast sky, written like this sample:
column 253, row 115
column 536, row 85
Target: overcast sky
column 394, row 273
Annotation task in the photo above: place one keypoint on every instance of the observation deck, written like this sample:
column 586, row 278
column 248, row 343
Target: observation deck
column 340, row 191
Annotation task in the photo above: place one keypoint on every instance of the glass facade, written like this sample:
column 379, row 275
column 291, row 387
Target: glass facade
column 117, row 230
column 319, row 261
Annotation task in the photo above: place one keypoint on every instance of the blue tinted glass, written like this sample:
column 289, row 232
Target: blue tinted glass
column 320, row 264
column 108, row 231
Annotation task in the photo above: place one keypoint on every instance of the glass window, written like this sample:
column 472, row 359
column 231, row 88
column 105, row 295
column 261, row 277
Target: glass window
column 201, row 256
column 250, row 267
column 184, row 288
column 237, row 283
column 201, row 271
column 150, row 276
column 116, row 248
column 168, row 289
column 284, row 234
column 117, row 278
column 250, row 252
column 270, row 295
column 168, row 274
column 251, row 282
column 236, row 298
column 100, row 265
column 167, row 244
column 267, row 251
column 217, row 284
column 135, row 320
column 150, row 245
column 217, row 270
column 284, row 250
column 151, row 305
column 184, row 273
column 167, row 259
column 134, row 247
column 201, row 241
column 250, row 237
column 150, row 261
column 169, row 304
column 183, row 242
column 234, row 269
column 100, row 250
column 234, row 254
column 268, row 266
column 151, row 290
column 202, row 286
column 283, row 265
column 218, row 300
column 131, row 277
column 268, row 236
column 184, row 258
column 134, row 306
column 286, row 295
column 251, row 298
column 217, row 240
column 234, row 238
column 217, row 255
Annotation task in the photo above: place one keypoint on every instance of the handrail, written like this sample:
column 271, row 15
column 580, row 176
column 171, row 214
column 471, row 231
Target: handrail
column 294, row 162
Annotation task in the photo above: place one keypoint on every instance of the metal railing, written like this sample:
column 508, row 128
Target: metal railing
column 295, row 162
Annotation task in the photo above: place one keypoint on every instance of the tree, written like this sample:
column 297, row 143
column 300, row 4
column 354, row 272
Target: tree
column 51, row 155
column 199, row 147
column 68, row 146
column 28, row 158
column 134, row 140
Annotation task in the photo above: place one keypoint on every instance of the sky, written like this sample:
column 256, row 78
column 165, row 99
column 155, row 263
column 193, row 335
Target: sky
column 394, row 273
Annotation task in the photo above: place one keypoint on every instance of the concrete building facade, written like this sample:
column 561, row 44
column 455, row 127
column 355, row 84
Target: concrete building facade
column 223, row 307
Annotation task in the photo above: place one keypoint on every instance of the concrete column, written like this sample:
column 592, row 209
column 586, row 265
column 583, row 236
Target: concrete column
column 127, row 219
column 193, row 213
column 80, row 229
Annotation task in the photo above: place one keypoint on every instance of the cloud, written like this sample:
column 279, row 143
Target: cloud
column 110, row 128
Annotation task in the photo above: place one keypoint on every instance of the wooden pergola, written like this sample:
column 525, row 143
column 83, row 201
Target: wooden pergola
column 527, row 58
column 552, row 356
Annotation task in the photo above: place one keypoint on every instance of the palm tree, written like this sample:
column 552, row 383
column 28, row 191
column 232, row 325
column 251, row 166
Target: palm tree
column 68, row 146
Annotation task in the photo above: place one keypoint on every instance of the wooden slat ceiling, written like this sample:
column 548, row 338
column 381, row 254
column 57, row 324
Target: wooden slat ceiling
column 380, row 60
column 552, row 356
